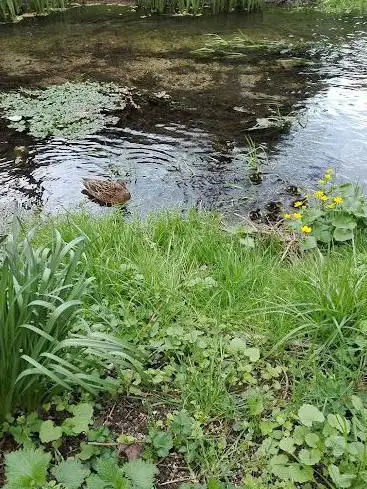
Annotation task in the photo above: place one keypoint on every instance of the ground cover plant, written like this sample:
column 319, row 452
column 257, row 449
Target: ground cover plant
column 252, row 355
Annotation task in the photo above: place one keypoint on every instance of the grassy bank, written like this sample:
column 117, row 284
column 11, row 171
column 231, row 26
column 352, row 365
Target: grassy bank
column 344, row 6
column 244, row 361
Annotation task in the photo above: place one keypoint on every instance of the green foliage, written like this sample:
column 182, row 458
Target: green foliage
column 41, row 295
column 71, row 473
column 343, row 6
column 314, row 447
column 333, row 214
column 72, row 110
column 10, row 9
column 26, row 469
column 196, row 7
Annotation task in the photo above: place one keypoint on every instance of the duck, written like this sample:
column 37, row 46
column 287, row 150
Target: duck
column 106, row 191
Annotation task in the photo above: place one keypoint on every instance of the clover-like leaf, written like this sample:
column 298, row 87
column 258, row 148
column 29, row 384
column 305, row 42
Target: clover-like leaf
column 312, row 439
column 49, row 432
column 279, row 466
column 309, row 414
column 300, row 474
column 287, row 444
column 309, row 457
column 340, row 480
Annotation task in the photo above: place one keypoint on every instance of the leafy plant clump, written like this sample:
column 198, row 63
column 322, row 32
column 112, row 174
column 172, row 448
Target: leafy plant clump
column 95, row 464
column 197, row 7
column 41, row 294
column 71, row 110
column 10, row 9
column 332, row 213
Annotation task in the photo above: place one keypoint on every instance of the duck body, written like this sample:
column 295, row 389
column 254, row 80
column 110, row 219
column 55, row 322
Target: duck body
column 107, row 192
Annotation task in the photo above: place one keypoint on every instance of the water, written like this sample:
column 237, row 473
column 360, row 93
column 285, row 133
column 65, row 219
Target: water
column 179, row 157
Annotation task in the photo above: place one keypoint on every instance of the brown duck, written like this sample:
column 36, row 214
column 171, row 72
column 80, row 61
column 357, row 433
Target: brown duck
column 106, row 191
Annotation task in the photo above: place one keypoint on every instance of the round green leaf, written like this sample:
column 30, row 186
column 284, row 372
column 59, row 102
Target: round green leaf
column 287, row 444
column 309, row 457
column 49, row 432
column 343, row 221
column 309, row 414
column 341, row 234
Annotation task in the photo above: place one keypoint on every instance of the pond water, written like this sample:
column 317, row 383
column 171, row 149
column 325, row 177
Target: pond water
column 191, row 151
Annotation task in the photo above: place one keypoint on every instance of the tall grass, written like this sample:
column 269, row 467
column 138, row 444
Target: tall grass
column 41, row 294
column 10, row 9
column 195, row 7
column 189, row 272
column 344, row 6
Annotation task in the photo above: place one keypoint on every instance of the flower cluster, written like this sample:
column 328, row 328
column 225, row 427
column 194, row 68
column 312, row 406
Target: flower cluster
column 329, row 213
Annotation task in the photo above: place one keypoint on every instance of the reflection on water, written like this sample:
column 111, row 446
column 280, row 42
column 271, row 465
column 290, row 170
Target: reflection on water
column 180, row 157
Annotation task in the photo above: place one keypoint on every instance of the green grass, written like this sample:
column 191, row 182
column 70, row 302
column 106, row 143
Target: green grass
column 344, row 6
column 170, row 271
column 236, row 340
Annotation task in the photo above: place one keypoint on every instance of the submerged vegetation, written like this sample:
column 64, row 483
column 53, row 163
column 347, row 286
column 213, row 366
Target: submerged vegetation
column 72, row 110
column 251, row 357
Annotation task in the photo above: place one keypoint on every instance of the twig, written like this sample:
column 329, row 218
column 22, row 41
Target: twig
column 175, row 481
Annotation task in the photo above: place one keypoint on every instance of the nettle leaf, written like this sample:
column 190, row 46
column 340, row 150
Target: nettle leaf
column 49, row 432
column 309, row 457
column 340, row 480
column 162, row 442
column 343, row 234
column 71, row 473
column 300, row 474
column 25, row 469
column 95, row 482
column 140, row 474
column 309, row 414
column 287, row 444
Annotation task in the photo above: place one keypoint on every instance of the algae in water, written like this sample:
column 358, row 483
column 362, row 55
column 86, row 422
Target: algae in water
column 71, row 110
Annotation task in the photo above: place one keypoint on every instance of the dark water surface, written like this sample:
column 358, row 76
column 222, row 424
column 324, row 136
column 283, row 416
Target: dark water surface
column 178, row 156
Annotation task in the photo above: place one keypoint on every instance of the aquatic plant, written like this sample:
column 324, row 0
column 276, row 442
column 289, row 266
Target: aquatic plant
column 240, row 46
column 10, row 9
column 71, row 110
column 196, row 7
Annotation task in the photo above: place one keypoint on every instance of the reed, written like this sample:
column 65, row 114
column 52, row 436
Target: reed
column 10, row 9
column 195, row 7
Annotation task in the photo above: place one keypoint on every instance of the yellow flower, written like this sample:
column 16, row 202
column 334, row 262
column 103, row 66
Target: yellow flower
column 287, row 216
column 323, row 198
column 331, row 206
column 322, row 182
column 298, row 203
column 306, row 229
column 297, row 215
column 327, row 176
column 338, row 199
column 319, row 194
column 329, row 170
